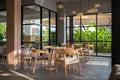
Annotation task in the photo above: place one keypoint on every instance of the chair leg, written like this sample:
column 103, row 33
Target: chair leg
column 79, row 67
column 49, row 65
column 2, row 59
column 30, row 63
column 22, row 63
column 34, row 67
column 94, row 56
column 56, row 67
column 65, row 71
column 83, row 61
column 89, row 57
column 44, row 64
column 73, row 67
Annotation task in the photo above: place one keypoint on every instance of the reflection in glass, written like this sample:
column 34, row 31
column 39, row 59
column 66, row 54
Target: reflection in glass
column 45, row 17
column 45, row 25
column 31, row 24
column 31, row 33
column 68, row 34
column 87, row 19
column 76, row 21
column 104, row 19
column 31, row 14
column 68, row 21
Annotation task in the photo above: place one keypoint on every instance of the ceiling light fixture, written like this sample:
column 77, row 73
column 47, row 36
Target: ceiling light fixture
column 93, row 9
column 97, row 5
column 60, row 6
column 61, row 18
column 80, row 13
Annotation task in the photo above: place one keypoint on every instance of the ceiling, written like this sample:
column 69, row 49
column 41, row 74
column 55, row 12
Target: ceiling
column 66, row 0
column 70, row 5
column 74, row 5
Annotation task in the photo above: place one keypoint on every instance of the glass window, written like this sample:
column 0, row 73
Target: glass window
column 68, row 21
column 104, row 19
column 87, row 19
column 31, row 14
column 52, row 36
column 76, row 21
column 68, row 34
column 95, row 29
column 76, row 34
column 104, row 33
column 45, row 25
column 45, row 17
column 31, row 33
column 32, row 28
column 53, row 19
column 88, row 33
column 31, row 23
column 3, row 28
column 52, row 28
column 104, row 48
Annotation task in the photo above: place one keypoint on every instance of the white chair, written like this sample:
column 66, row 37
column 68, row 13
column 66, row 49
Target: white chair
column 25, row 56
column 67, row 57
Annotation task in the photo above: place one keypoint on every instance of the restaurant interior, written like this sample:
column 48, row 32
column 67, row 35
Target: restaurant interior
column 59, row 39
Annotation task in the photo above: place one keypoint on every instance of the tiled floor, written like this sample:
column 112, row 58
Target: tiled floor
column 94, row 70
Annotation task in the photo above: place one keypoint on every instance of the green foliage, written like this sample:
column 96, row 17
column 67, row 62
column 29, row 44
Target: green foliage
column 2, row 30
column 45, row 34
column 103, row 34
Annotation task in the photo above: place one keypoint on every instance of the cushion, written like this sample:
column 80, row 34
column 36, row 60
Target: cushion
column 42, row 58
column 70, row 59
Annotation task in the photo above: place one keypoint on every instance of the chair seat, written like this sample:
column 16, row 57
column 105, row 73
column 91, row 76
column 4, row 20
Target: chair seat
column 91, row 51
column 85, row 50
column 42, row 58
column 70, row 60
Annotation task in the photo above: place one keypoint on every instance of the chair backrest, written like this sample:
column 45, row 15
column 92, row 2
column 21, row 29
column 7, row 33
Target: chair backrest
column 66, row 53
column 77, row 46
column 48, row 49
column 91, row 47
column 36, row 52
column 25, row 51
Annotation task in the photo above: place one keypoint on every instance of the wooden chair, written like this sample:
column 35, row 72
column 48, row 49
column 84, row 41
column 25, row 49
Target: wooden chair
column 25, row 56
column 88, row 50
column 81, row 55
column 61, row 58
column 50, row 51
column 37, row 58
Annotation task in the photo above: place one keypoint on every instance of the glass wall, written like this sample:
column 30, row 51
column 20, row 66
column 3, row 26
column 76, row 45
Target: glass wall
column 2, row 28
column 52, row 28
column 94, row 29
column 45, row 26
column 39, row 26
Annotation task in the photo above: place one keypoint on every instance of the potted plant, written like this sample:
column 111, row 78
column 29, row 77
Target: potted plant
column 58, row 44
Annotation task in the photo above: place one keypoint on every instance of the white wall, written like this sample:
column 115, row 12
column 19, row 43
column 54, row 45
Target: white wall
column 50, row 4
